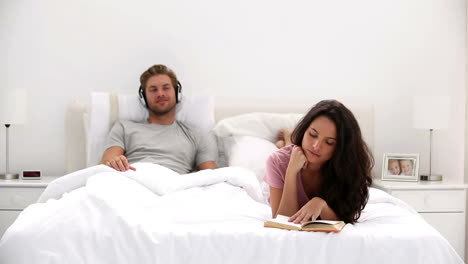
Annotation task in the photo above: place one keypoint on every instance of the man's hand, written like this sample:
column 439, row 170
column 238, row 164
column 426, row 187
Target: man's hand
column 114, row 158
column 119, row 163
column 207, row 165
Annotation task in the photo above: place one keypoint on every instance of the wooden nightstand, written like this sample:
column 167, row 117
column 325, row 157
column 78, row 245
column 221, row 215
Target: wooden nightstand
column 440, row 203
column 15, row 195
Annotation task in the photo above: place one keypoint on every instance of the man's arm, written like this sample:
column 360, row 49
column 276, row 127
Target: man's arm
column 207, row 152
column 114, row 158
column 207, row 165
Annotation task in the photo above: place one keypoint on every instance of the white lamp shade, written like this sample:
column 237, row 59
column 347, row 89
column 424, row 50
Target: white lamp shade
column 13, row 107
column 431, row 112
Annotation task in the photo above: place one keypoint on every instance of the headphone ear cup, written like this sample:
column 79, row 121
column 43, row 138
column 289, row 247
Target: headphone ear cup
column 142, row 97
column 179, row 92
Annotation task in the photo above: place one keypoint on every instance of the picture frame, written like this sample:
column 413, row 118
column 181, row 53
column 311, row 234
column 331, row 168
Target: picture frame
column 400, row 167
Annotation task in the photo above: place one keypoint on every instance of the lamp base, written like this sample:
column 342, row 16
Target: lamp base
column 9, row 176
column 432, row 177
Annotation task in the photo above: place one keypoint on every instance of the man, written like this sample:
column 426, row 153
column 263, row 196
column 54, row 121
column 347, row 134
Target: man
column 160, row 139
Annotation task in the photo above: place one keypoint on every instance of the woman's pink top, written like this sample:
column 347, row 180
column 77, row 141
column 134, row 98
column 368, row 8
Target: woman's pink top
column 275, row 173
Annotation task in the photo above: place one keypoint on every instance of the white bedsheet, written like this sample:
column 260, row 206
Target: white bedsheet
column 214, row 216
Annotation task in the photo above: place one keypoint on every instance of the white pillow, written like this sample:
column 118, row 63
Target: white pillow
column 261, row 125
column 250, row 153
column 106, row 108
column 197, row 110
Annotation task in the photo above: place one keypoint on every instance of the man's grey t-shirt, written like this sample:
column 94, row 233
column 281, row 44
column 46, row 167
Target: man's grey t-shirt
column 178, row 146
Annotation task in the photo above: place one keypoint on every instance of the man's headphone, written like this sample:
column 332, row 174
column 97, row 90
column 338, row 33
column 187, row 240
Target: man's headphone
column 142, row 94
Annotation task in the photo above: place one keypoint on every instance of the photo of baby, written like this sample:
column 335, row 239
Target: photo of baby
column 406, row 166
column 394, row 167
column 400, row 167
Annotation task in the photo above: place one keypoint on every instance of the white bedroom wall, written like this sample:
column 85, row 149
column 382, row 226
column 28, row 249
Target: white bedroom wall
column 381, row 51
column 466, row 130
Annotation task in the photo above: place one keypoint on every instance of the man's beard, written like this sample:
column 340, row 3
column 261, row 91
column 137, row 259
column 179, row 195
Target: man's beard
column 158, row 112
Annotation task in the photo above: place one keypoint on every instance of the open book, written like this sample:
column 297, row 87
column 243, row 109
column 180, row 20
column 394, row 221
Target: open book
column 281, row 221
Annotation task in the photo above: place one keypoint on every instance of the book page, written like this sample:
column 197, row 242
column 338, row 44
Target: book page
column 284, row 220
column 323, row 225
column 324, row 222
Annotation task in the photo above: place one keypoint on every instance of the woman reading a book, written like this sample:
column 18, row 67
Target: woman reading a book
column 326, row 172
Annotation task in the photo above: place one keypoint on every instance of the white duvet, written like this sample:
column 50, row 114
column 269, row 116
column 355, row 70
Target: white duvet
column 153, row 215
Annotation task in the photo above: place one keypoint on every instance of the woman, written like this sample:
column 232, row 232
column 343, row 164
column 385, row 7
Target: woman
column 326, row 172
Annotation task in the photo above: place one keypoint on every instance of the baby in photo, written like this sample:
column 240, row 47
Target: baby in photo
column 394, row 167
column 406, row 166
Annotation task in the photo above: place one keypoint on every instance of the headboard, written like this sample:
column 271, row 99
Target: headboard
column 77, row 118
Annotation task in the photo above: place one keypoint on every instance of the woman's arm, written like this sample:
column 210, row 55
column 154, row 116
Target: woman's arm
column 284, row 201
column 312, row 210
column 275, row 198
column 327, row 212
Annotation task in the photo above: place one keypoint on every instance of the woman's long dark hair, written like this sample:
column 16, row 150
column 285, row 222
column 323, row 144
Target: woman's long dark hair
column 346, row 177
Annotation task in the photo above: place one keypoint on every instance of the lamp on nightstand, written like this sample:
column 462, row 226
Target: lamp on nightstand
column 431, row 112
column 13, row 106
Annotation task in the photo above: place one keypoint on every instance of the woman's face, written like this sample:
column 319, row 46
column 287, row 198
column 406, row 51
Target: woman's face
column 319, row 141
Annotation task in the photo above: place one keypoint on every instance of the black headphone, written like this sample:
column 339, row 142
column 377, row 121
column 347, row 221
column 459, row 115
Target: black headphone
column 142, row 94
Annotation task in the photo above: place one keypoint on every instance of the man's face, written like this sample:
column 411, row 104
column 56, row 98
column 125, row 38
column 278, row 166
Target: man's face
column 160, row 94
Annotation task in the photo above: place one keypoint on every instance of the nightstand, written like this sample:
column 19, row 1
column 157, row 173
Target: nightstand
column 440, row 203
column 17, row 194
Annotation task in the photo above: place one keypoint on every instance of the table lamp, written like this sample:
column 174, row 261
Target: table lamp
column 431, row 112
column 13, row 108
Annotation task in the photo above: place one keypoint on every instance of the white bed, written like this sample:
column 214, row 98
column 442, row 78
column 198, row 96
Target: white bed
column 98, row 215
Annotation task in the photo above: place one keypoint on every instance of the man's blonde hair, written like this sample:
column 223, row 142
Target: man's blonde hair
column 156, row 70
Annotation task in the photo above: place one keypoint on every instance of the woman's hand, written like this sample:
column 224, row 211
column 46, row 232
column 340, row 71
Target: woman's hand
column 297, row 160
column 310, row 211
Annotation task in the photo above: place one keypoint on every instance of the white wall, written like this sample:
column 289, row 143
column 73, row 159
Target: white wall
column 466, row 135
column 385, row 51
